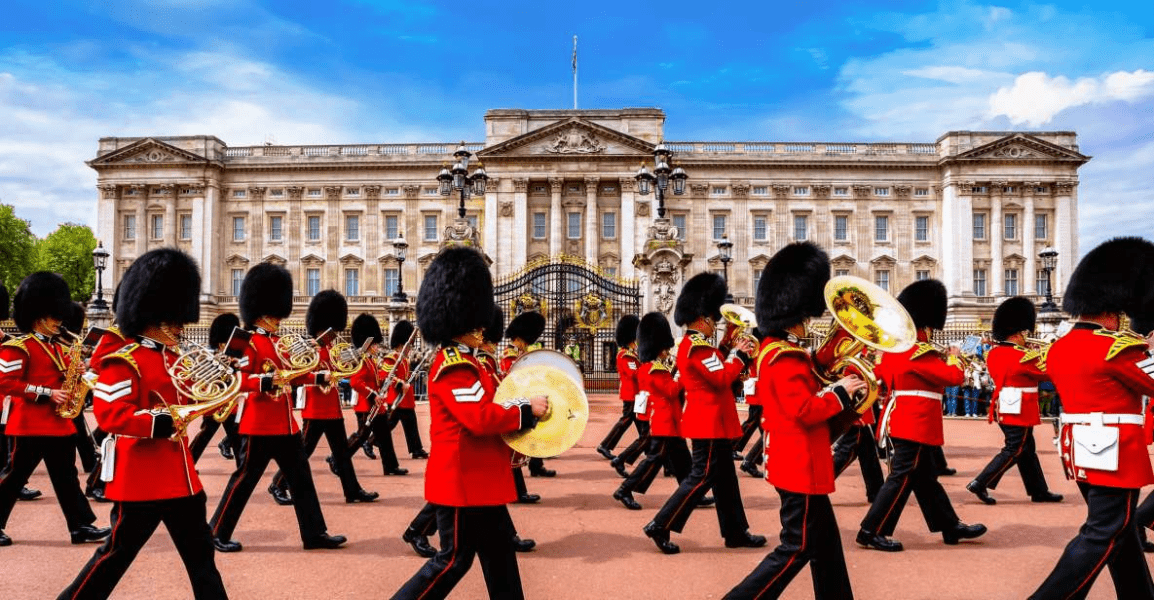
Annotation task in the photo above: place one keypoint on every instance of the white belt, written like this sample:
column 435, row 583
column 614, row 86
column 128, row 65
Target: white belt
column 1104, row 418
column 919, row 393
column 1029, row 390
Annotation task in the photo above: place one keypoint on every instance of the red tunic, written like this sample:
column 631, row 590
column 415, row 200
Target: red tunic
column 366, row 383
column 627, row 371
column 1007, row 370
column 710, row 409
column 1089, row 382
column 409, row 400
column 111, row 341
column 31, row 366
column 134, row 380
column 664, row 403
column 322, row 402
column 267, row 412
column 469, row 463
column 508, row 357
column 911, row 377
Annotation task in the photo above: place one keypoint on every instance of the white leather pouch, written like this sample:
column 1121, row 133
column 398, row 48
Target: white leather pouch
column 1010, row 401
column 641, row 403
column 750, row 386
column 1095, row 446
column 299, row 404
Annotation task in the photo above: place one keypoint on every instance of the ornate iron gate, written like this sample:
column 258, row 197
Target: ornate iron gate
column 581, row 305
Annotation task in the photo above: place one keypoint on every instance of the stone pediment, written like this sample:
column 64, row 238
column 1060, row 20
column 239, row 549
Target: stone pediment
column 275, row 259
column 1022, row 147
column 148, row 151
column 570, row 137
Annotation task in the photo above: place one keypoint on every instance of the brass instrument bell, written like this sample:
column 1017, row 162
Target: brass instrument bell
column 547, row 373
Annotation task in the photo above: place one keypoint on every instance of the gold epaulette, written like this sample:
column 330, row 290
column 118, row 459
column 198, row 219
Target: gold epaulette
column 125, row 354
column 510, row 351
column 388, row 362
column 115, row 330
column 696, row 339
column 658, row 366
column 779, row 348
column 923, row 349
column 1122, row 341
column 1035, row 354
column 19, row 342
column 630, row 353
column 452, row 357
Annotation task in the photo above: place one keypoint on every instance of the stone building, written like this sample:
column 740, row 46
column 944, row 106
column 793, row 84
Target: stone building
column 973, row 209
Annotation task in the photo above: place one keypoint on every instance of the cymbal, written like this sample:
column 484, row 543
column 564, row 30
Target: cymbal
column 552, row 358
column 564, row 423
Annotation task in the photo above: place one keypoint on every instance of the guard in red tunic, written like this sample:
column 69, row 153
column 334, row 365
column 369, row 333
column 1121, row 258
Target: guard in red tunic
column 370, row 389
column 913, row 421
column 626, row 335
column 328, row 311
column 405, row 412
column 756, row 453
column 151, row 477
column 1143, row 325
column 660, row 395
column 110, row 341
column 267, row 424
column 32, row 369
column 85, row 446
column 859, row 444
column 1016, row 372
column 524, row 331
column 1102, row 375
column 797, row 412
column 709, row 419
column 218, row 334
column 367, row 389
column 627, row 372
column 6, row 403
column 468, row 477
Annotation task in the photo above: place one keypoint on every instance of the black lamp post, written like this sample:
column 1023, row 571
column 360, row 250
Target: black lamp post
column 1049, row 257
column 725, row 254
column 659, row 179
column 458, row 178
column 100, row 261
column 400, row 249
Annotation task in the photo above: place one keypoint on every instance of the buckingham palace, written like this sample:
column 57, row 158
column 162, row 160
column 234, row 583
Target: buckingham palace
column 973, row 208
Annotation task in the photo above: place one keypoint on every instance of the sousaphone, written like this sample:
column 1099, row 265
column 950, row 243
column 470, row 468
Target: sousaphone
column 547, row 373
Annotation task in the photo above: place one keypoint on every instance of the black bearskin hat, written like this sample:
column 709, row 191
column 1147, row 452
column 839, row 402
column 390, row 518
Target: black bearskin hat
column 456, row 295
column 496, row 328
column 653, row 336
column 701, row 296
column 221, row 329
column 162, row 286
column 365, row 326
column 1014, row 315
column 75, row 321
column 402, row 331
column 1142, row 325
column 626, row 330
column 267, row 291
column 1111, row 278
column 3, row 302
column 41, row 294
column 925, row 300
column 526, row 327
column 792, row 287
column 327, row 310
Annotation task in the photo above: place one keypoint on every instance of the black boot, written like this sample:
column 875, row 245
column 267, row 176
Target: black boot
column 661, row 538
column 521, row 545
column 752, row 469
column 1046, row 496
column 419, row 543
column 226, row 545
column 368, row 448
column 626, row 498
column 88, row 533
column 225, row 449
column 332, row 465
column 362, row 496
column 28, row 494
column 981, row 492
column 281, row 497
column 877, row 542
column 961, row 531
column 325, row 542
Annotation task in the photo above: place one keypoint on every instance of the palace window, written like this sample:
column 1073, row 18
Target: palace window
column 186, row 227
column 1011, row 282
column 1008, row 189
column 759, row 229
column 841, row 272
column 392, row 227
column 540, row 225
column 430, row 228
column 392, row 191
column 922, row 229
column 679, row 224
column 979, row 226
column 1011, row 226
column 352, row 282
column 921, row 275
column 760, row 190
column 129, row 227
column 921, row 192
column 1042, row 285
column 718, row 190
column 573, row 222
column 881, row 191
column 275, row 229
column 430, row 191
column 392, row 276
column 840, row 228
column 1041, row 227
column 978, row 189
column 840, row 191
column 314, row 192
column 610, row 271
column 312, row 281
column 352, row 228
column 800, row 227
column 314, row 228
column 277, row 193
column 800, row 191
column 237, row 280
column 882, row 279
column 238, row 229
column 756, row 281
column 609, row 225
column 156, row 229
column 353, row 192
column 471, row 220
column 718, row 226
column 881, row 228
column 979, row 282
column 239, row 193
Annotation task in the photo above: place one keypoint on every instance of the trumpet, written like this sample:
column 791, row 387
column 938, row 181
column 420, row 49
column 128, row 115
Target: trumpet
column 740, row 321
column 205, row 377
column 966, row 360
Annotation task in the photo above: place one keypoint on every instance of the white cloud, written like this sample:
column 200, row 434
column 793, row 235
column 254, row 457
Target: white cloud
column 1035, row 98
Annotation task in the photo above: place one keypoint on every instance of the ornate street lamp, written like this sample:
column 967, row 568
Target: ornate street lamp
column 725, row 254
column 659, row 179
column 457, row 178
column 400, row 249
column 100, row 261
column 1049, row 258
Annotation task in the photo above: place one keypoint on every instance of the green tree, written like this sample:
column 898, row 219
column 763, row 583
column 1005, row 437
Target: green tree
column 68, row 251
column 18, row 256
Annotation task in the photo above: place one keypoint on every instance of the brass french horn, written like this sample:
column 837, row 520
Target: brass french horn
column 204, row 377
column 299, row 355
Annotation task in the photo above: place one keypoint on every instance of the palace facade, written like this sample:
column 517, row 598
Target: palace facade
column 973, row 209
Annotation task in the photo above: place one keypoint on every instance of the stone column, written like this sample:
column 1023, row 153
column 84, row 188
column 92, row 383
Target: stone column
column 629, row 228
column 489, row 221
column 997, row 233
column 202, row 235
column 556, row 217
column 294, row 229
column 592, row 232
column 107, row 229
column 1065, row 231
column 332, row 244
column 1029, row 278
column 372, row 238
column 212, row 223
column 740, row 278
column 256, row 229
column 957, row 238
column 170, row 225
column 413, row 223
column 520, row 233
column 141, row 219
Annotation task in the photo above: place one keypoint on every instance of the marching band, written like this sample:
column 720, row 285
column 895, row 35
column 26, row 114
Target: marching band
column 148, row 382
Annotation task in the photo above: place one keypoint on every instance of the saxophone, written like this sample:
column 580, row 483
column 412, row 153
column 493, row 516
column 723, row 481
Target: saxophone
column 74, row 381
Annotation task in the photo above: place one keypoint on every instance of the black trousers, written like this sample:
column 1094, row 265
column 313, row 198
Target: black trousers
column 809, row 534
column 133, row 523
column 620, row 427
column 85, row 447
column 1109, row 537
column 484, row 532
column 3, row 445
column 1145, row 514
column 407, row 417
column 859, row 444
column 1019, row 450
column 382, row 437
column 289, row 455
column 712, row 468
column 751, row 424
column 662, row 451
column 333, row 431
column 914, row 468
column 208, row 428
column 59, row 456
column 425, row 523
column 634, row 450
column 756, row 454
column 519, row 481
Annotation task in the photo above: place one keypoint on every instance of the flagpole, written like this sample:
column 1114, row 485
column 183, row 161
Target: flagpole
column 574, row 72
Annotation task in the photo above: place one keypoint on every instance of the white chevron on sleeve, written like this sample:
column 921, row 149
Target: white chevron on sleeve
column 712, row 364
column 1147, row 366
column 112, row 392
column 10, row 366
column 473, row 393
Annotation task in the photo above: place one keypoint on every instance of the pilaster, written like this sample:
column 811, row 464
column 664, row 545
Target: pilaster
column 556, row 216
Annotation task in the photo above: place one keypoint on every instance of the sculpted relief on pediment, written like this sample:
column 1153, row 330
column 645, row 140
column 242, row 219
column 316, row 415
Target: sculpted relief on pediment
column 574, row 140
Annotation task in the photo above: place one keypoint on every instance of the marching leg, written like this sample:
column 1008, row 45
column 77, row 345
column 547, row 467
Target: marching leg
column 185, row 520
column 422, row 526
column 132, row 524
column 257, row 454
column 441, row 573
column 496, row 554
column 60, row 461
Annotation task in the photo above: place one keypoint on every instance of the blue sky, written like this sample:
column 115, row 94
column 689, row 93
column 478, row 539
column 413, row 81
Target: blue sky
column 388, row 71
